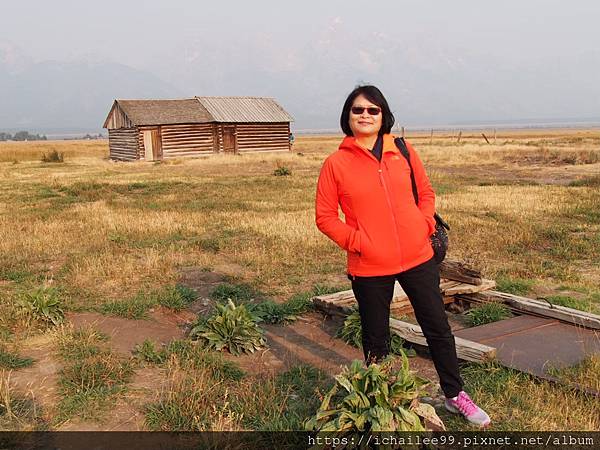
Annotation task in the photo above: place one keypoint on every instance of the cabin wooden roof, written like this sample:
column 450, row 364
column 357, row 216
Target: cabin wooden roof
column 198, row 110
column 245, row 109
column 159, row 112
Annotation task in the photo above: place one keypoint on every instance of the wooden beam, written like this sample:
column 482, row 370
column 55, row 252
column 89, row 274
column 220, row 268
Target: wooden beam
column 456, row 270
column 468, row 288
column 465, row 349
column 537, row 307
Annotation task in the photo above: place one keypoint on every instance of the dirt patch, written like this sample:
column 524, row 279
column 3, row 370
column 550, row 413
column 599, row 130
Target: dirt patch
column 203, row 283
column 162, row 328
column 40, row 380
column 128, row 412
column 311, row 340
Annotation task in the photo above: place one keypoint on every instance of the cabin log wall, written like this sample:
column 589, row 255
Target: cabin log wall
column 123, row 143
column 255, row 137
column 187, row 140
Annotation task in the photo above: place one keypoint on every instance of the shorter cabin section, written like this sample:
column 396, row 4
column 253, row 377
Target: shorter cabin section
column 153, row 130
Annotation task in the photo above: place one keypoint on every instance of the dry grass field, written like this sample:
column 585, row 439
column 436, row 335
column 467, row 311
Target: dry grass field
column 101, row 237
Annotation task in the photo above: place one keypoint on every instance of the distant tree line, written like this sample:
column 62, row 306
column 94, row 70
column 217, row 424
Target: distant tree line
column 22, row 136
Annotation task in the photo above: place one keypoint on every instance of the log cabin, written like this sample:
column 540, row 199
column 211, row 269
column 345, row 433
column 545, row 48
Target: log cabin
column 152, row 130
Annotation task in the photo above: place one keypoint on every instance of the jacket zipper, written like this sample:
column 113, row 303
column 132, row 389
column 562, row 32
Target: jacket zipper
column 387, row 196
column 389, row 202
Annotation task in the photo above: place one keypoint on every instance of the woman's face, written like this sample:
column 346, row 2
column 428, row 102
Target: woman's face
column 364, row 124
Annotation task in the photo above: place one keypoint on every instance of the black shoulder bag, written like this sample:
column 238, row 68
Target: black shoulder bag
column 439, row 239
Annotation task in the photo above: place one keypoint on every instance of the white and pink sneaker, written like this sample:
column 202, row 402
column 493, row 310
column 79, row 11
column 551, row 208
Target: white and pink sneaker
column 462, row 404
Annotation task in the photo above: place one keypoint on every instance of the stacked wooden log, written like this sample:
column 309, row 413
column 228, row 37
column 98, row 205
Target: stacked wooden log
column 456, row 278
column 460, row 285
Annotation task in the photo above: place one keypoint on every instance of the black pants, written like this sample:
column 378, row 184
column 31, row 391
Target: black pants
column 421, row 285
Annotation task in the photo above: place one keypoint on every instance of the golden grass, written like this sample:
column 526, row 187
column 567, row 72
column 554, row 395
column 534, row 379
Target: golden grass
column 517, row 401
column 33, row 151
column 101, row 230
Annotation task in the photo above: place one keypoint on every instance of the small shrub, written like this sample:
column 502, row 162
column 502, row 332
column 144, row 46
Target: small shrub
column 148, row 353
column 135, row 308
column 513, row 286
column 176, row 297
column 42, row 305
column 240, row 293
column 209, row 244
column 75, row 345
column 373, row 399
column 102, row 371
column 593, row 181
column 91, row 374
column 487, row 313
column 53, row 157
column 282, row 171
column 351, row 333
column 299, row 304
column 270, row 312
column 231, row 327
column 569, row 302
column 192, row 401
column 17, row 413
column 9, row 360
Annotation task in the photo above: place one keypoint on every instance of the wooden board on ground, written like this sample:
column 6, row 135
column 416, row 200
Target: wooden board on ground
column 341, row 303
column 465, row 349
column 536, row 307
column 535, row 344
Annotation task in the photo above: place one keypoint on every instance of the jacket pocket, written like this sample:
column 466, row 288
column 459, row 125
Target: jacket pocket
column 366, row 247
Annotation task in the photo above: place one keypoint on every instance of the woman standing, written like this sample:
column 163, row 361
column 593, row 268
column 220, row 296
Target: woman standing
column 386, row 236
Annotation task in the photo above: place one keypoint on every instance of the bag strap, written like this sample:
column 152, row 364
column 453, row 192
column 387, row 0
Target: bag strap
column 399, row 141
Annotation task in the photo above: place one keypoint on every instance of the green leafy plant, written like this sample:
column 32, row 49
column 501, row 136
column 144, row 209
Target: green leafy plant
column 374, row 398
column 282, row 171
column 351, row 333
column 271, row 312
column 230, row 327
column 146, row 351
column 42, row 304
column 487, row 313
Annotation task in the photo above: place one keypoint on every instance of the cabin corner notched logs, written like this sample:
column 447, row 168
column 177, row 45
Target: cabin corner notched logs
column 159, row 129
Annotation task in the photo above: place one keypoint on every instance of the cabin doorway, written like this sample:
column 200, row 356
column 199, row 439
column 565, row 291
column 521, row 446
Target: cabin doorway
column 229, row 139
column 152, row 145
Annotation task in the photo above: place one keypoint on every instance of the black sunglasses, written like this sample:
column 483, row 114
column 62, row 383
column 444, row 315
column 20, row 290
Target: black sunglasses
column 372, row 110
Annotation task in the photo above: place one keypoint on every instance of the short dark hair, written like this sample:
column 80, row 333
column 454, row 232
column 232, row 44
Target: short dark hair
column 375, row 96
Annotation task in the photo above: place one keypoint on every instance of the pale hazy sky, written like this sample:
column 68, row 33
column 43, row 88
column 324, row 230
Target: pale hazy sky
column 130, row 31
column 439, row 61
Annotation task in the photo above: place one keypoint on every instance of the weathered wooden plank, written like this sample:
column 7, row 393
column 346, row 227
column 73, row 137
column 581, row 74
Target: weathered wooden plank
column 456, row 270
column 123, row 143
column 465, row 349
column 538, row 307
column 466, row 288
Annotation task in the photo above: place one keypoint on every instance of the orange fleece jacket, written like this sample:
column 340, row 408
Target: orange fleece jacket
column 384, row 231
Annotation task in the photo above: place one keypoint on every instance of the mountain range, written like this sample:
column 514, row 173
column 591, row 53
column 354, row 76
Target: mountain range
column 425, row 83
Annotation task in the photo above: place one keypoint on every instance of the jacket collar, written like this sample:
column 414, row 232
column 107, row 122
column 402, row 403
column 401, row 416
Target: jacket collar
column 349, row 143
